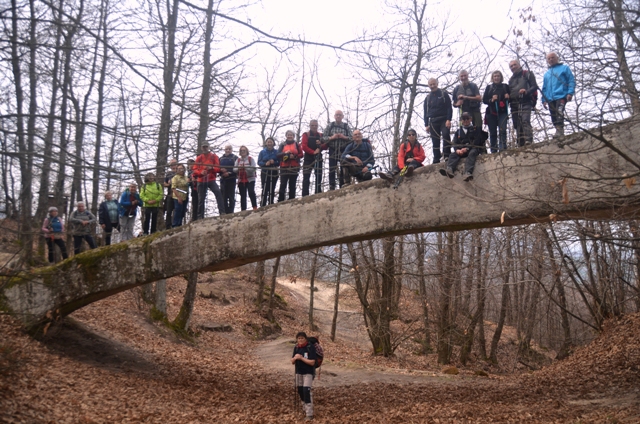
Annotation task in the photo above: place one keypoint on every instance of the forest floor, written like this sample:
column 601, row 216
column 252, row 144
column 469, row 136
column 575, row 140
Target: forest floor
column 108, row 363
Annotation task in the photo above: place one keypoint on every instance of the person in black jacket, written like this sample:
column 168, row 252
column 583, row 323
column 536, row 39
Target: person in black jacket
column 496, row 97
column 228, row 179
column 357, row 159
column 108, row 216
column 467, row 142
column 304, row 358
column 437, row 119
column 523, row 98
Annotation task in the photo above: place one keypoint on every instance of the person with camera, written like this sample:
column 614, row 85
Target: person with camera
column 289, row 154
column 129, row 203
column 312, row 147
column 467, row 97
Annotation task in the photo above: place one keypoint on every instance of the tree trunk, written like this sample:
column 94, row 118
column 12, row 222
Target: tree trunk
column 186, row 310
column 260, row 280
column 272, row 295
column 314, row 267
column 504, row 301
column 334, row 320
column 444, row 320
column 422, row 287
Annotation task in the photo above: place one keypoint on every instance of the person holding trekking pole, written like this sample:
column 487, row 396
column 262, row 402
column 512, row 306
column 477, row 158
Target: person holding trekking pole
column 496, row 97
column 437, row 119
column 523, row 98
column 312, row 147
column 304, row 359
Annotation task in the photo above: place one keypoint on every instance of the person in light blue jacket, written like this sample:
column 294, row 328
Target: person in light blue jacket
column 558, row 88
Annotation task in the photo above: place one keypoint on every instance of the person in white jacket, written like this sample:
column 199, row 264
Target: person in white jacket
column 245, row 168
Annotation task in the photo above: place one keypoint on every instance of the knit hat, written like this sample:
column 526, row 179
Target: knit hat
column 53, row 208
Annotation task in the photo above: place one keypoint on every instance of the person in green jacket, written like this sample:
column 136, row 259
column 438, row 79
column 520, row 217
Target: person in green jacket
column 151, row 194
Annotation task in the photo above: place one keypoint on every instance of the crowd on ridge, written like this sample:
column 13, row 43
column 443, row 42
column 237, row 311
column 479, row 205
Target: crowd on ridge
column 350, row 157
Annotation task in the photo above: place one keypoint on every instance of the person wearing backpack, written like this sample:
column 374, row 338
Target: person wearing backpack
column 558, row 88
column 437, row 120
column 152, row 195
column 289, row 154
column 523, row 98
column 337, row 136
column 53, row 230
column 245, row 168
column 467, row 97
column 411, row 154
column 496, row 97
column 304, row 358
column 357, row 159
column 82, row 222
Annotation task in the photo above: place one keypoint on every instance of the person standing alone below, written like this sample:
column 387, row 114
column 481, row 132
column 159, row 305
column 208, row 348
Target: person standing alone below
column 558, row 88
column 437, row 119
column 304, row 358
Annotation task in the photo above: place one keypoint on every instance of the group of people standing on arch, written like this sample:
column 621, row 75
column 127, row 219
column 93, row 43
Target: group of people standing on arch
column 350, row 156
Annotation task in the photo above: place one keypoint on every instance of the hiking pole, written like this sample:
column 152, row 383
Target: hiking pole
column 400, row 177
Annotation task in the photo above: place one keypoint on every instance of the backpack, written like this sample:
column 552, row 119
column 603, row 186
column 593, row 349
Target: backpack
column 319, row 351
column 534, row 95
column 55, row 224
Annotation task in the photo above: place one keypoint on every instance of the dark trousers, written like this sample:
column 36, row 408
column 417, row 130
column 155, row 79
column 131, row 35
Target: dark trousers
column 354, row 170
column 51, row 245
column 251, row 188
column 521, row 117
column 495, row 122
column 228, row 187
column 179, row 209
column 438, row 131
column 288, row 179
column 203, row 187
column 471, row 155
column 311, row 162
column 168, row 205
column 150, row 223
column 334, row 162
column 108, row 230
column 268, row 180
column 556, row 108
column 77, row 242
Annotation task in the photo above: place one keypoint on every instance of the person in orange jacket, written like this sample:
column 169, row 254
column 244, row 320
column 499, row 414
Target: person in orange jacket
column 206, row 168
column 289, row 154
column 410, row 154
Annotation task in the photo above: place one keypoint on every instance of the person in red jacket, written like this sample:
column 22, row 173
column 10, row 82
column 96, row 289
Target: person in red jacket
column 289, row 154
column 205, row 169
column 312, row 147
column 410, row 154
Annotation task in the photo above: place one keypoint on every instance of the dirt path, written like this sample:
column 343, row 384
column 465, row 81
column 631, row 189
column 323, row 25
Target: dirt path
column 350, row 326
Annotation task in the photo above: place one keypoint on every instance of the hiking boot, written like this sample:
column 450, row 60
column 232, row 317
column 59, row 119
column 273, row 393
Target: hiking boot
column 386, row 177
column 447, row 172
column 409, row 171
column 468, row 177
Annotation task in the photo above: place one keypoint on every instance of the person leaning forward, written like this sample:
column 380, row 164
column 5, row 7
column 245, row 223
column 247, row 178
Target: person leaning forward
column 437, row 119
column 357, row 159
column 468, row 141
column 337, row 135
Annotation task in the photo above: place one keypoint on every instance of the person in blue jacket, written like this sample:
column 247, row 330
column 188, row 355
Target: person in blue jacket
column 129, row 202
column 357, row 159
column 269, row 162
column 558, row 88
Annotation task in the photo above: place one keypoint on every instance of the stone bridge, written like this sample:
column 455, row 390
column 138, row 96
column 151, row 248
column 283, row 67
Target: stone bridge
column 584, row 176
